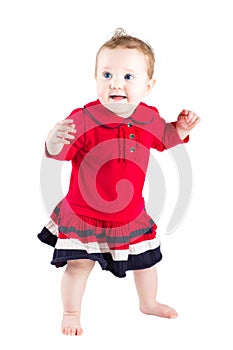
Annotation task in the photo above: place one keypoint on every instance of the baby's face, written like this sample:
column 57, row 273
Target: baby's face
column 122, row 79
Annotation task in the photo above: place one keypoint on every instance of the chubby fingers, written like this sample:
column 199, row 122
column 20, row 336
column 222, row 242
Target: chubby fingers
column 62, row 132
column 190, row 117
column 64, row 126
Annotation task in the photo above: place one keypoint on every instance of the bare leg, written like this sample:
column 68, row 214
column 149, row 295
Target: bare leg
column 72, row 289
column 146, row 282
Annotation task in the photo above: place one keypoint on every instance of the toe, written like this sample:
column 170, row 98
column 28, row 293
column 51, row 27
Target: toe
column 80, row 332
column 73, row 331
column 174, row 314
column 63, row 330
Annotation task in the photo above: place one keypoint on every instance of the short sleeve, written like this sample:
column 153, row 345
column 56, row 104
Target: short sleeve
column 165, row 135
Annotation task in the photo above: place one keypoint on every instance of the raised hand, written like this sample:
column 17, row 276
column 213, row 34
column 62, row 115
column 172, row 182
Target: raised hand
column 186, row 121
column 60, row 135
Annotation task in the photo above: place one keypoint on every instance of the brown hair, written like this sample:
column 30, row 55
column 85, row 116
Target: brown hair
column 123, row 40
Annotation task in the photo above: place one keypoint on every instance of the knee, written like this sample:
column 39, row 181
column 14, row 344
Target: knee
column 82, row 264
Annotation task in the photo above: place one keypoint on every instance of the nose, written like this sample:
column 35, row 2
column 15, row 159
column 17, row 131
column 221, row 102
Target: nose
column 116, row 83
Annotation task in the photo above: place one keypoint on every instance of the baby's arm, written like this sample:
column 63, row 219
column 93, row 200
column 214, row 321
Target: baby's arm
column 186, row 121
column 60, row 135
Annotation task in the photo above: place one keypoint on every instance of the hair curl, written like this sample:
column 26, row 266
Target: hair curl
column 123, row 40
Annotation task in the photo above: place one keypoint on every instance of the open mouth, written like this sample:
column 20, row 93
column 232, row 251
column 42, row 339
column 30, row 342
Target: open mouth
column 117, row 97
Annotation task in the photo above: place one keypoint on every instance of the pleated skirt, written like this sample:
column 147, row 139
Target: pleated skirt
column 118, row 246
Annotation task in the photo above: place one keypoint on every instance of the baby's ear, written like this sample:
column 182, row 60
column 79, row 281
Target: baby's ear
column 150, row 85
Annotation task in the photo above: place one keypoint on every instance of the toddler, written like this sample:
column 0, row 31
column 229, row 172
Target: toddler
column 103, row 217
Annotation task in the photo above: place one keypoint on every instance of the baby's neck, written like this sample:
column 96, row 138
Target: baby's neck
column 121, row 109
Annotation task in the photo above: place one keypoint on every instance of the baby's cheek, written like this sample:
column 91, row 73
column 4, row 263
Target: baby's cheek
column 101, row 92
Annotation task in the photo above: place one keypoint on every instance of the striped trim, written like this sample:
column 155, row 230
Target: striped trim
column 72, row 232
column 117, row 255
column 114, row 240
column 117, row 268
column 52, row 227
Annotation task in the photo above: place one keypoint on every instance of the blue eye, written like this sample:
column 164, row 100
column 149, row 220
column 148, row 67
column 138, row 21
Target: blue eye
column 107, row 75
column 128, row 77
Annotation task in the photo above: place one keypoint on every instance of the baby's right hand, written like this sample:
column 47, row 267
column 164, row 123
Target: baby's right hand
column 60, row 135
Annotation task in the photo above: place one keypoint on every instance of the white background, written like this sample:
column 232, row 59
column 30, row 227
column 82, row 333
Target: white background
column 47, row 64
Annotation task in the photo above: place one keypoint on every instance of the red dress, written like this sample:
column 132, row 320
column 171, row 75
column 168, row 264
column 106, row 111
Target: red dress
column 103, row 216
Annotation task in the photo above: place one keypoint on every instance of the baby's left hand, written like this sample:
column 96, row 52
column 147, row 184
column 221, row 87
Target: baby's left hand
column 186, row 121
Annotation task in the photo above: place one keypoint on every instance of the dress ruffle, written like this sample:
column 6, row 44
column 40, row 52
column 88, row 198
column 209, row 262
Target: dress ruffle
column 105, row 260
column 89, row 230
column 117, row 246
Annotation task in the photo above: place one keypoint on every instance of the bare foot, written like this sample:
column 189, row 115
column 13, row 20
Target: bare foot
column 159, row 310
column 71, row 324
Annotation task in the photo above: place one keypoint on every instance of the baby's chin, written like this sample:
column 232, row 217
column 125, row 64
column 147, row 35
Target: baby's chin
column 123, row 109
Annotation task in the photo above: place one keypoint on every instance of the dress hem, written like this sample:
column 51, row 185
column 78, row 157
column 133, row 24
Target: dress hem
column 140, row 261
column 117, row 268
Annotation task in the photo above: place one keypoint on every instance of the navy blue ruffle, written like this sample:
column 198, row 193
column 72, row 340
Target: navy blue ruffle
column 47, row 237
column 117, row 268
